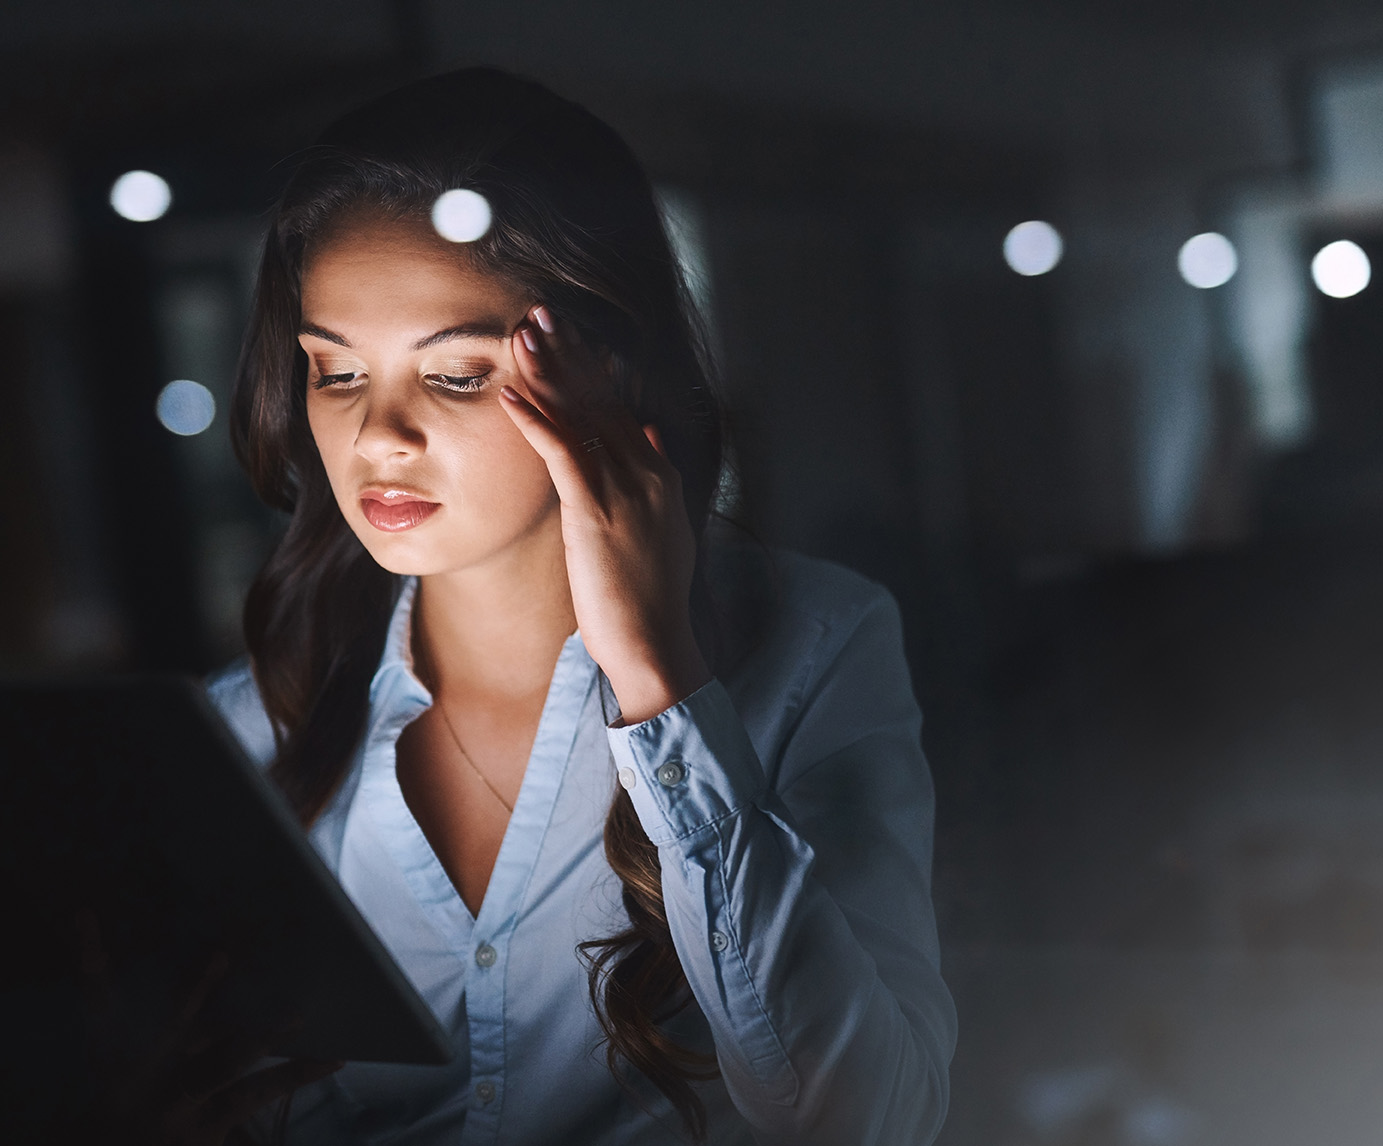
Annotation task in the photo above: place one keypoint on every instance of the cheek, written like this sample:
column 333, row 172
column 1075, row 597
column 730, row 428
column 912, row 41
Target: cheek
column 503, row 470
column 520, row 461
column 316, row 424
column 327, row 433
column 321, row 426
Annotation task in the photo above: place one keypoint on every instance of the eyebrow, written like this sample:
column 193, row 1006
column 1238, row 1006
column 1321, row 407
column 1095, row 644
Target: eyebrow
column 490, row 329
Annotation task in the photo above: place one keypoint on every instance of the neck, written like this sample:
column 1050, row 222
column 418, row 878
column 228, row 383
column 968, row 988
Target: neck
column 495, row 629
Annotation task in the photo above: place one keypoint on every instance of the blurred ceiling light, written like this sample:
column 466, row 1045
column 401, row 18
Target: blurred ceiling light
column 1341, row 269
column 1032, row 248
column 140, row 196
column 461, row 216
column 1208, row 260
column 185, row 407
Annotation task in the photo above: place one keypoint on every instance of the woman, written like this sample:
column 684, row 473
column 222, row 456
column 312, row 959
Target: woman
column 652, row 901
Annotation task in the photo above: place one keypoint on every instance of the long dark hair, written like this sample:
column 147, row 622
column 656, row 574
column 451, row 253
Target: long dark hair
column 575, row 225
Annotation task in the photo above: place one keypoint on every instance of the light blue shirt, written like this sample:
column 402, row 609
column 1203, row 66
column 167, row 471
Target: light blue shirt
column 792, row 809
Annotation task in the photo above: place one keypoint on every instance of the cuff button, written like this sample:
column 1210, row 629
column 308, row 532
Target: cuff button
column 628, row 778
column 671, row 774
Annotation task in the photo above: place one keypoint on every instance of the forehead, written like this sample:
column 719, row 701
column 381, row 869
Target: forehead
column 384, row 272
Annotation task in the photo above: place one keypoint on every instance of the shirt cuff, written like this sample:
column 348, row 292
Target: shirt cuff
column 689, row 767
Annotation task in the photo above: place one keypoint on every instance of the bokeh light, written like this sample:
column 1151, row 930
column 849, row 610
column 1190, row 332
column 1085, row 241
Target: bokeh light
column 1207, row 260
column 1033, row 248
column 141, row 196
column 1341, row 269
column 185, row 407
column 461, row 216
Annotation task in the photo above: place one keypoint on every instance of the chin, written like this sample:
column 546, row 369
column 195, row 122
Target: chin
column 403, row 554
column 393, row 563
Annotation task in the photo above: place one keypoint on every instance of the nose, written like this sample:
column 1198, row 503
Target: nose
column 389, row 427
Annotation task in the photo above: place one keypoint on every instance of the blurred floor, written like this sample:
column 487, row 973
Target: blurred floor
column 1089, row 1047
column 1187, row 859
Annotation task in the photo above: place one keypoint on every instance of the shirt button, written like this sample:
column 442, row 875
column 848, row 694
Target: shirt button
column 628, row 778
column 485, row 1091
column 486, row 955
column 719, row 940
column 671, row 774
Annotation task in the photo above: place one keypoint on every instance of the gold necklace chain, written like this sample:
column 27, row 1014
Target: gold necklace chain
column 466, row 756
column 425, row 663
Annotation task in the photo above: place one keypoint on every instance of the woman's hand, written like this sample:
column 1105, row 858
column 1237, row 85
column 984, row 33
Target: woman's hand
column 178, row 1081
column 629, row 547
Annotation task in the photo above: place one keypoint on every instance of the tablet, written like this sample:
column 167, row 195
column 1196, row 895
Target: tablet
column 129, row 811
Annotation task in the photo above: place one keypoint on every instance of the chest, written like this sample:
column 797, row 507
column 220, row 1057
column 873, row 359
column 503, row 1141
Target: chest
column 506, row 979
column 462, row 792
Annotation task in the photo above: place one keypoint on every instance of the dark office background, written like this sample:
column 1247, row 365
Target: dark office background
column 1135, row 527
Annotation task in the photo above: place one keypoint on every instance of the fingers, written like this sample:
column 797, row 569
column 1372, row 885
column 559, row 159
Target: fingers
column 575, row 392
column 217, row 964
column 176, row 1075
column 559, row 371
column 219, row 1065
column 571, row 384
column 237, row 1102
column 548, row 442
column 212, row 972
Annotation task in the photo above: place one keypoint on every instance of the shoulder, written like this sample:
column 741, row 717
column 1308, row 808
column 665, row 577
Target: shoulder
column 836, row 597
column 802, row 634
column 234, row 694
column 762, row 595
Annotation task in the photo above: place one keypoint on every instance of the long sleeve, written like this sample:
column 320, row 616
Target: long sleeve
column 798, row 888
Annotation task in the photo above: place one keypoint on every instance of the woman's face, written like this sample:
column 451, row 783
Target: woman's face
column 407, row 348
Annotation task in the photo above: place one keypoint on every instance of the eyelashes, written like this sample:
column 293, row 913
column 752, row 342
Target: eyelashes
column 454, row 383
column 337, row 381
column 458, row 383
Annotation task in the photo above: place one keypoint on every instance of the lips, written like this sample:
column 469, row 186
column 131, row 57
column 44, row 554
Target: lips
column 393, row 511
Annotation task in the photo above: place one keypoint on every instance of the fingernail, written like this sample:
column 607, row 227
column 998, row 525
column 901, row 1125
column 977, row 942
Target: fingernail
column 544, row 317
column 528, row 340
column 510, row 393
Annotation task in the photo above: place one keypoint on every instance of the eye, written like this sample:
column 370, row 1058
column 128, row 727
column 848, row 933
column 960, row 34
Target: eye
column 346, row 381
column 457, row 383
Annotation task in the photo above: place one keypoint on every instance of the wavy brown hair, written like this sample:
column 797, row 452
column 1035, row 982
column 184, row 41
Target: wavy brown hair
column 575, row 225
